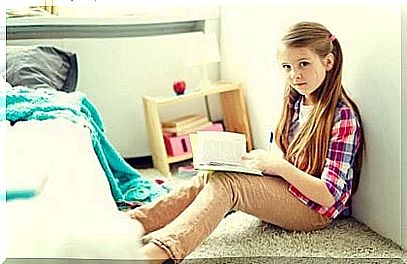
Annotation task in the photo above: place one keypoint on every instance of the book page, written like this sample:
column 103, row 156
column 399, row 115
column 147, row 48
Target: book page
column 225, row 148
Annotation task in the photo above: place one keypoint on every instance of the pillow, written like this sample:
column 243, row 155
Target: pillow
column 42, row 67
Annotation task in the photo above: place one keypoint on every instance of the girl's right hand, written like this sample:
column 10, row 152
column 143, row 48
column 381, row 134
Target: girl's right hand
column 263, row 160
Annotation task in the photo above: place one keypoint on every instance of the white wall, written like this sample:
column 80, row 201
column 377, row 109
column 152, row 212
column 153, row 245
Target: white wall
column 370, row 38
column 404, row 127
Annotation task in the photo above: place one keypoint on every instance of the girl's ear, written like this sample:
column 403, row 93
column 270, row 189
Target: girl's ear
column 329, row 61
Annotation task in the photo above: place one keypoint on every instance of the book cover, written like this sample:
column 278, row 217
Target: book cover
column 220, row 151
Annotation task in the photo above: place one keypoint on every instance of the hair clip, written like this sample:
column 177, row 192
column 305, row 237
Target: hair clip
column 332, row 38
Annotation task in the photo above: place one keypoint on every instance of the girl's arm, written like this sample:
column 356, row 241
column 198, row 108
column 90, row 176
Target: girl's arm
column 312, row 187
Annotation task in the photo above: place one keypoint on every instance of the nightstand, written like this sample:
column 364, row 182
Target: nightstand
column 235, row 119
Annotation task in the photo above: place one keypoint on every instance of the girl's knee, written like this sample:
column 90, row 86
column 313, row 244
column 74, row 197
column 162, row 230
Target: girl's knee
column 223, row 181
column 207, row 176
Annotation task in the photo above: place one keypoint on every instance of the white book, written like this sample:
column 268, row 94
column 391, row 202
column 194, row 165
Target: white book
column 220, row 151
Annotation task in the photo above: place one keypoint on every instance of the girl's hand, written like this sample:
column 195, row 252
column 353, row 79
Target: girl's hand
column 263, row 160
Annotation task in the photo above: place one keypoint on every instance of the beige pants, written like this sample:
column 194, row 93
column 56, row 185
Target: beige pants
column 185, row 217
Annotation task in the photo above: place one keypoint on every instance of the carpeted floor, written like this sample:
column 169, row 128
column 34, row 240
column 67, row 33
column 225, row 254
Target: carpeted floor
column 242, row 238
column 242, row 235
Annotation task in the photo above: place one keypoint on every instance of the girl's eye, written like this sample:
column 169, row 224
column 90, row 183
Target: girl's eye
column 304, row 63
column 286, row 66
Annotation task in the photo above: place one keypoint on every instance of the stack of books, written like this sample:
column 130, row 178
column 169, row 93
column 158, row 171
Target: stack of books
column 186, row 124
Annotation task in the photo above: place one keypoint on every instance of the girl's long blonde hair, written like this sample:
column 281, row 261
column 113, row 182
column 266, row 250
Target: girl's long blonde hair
column 309, row 147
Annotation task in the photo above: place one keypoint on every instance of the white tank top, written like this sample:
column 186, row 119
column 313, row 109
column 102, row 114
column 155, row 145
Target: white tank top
column 305, row 111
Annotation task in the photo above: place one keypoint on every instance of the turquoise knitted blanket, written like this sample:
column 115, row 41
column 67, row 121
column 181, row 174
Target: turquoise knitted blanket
column 126, row 183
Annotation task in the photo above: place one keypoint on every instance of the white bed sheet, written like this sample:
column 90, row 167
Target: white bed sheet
column 74, row 214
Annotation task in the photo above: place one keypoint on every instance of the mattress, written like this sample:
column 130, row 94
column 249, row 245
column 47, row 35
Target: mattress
column 71, row 213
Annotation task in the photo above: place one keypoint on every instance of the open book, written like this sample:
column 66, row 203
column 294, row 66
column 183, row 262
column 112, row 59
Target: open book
column 220, row 151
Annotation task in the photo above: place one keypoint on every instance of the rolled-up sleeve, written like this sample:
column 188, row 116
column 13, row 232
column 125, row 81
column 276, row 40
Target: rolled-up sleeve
column 343, row 146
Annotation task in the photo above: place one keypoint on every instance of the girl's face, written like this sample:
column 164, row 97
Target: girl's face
column 304, row 70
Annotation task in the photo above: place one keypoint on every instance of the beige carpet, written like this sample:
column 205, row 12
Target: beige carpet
column 242, row 238
column 242, row 235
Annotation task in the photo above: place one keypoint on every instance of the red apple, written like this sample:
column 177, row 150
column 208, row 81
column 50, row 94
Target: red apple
column 179, row 87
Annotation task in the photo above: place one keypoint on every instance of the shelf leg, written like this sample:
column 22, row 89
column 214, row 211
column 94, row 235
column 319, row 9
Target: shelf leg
column 156, row 140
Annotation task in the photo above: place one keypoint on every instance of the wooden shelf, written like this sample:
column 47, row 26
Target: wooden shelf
column 234, row 118
column 221, row 87
column 172, row 159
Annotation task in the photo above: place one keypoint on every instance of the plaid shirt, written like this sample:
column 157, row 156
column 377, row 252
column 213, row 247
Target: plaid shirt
column 338, row 172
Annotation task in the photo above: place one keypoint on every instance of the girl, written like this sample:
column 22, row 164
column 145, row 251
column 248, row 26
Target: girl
column 320, row 136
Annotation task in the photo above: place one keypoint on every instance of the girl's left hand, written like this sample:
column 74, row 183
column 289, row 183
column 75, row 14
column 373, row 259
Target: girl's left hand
column 263, row 160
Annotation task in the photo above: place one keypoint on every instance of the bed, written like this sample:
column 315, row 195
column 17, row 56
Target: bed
column 64, row 179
